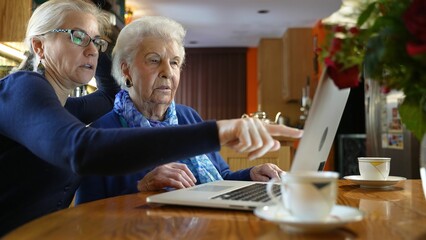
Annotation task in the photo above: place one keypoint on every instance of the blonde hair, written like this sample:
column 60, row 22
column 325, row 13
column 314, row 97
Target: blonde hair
column 51, row 15
column 131, row 35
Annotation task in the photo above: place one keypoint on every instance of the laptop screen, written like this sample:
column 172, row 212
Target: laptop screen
column 320, row 126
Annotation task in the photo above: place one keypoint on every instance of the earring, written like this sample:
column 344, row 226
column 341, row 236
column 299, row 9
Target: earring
column 129, row 83
column 40, row 68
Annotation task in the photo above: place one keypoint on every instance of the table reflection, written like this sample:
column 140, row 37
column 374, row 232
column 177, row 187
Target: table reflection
column 394, row 213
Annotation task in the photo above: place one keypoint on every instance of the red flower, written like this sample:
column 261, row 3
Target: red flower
column 354, row 30
column 385, row 89
column 342, row 78
column 415, row 49
column 318, row 50
column 339, row 29
column 336, row 45
column 415, row 22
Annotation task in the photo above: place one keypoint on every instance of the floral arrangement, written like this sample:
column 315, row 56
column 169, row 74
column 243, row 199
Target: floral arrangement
column 387, row 44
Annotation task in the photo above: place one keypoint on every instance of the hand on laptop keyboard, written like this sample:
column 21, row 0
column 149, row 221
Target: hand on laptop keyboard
column 265, row 172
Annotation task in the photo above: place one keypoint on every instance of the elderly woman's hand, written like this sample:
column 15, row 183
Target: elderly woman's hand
column 265, row 172
column 253, row 136
column 175, row 175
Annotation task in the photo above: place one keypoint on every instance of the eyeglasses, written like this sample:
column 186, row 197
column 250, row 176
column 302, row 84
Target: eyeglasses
column 80, row 38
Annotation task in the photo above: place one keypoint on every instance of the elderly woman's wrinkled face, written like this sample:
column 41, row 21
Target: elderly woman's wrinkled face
column 155, row 73
column 67, row 62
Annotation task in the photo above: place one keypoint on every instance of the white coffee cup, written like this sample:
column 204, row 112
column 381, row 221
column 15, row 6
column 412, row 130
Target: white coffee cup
column 374, row 168
column 306, row 195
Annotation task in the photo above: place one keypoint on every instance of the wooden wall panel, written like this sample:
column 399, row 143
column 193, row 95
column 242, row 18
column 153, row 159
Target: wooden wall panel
column 14, row 16
column 213, row 82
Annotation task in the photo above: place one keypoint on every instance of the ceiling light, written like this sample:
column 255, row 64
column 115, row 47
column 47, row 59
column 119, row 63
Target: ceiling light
column 128, row 16
column 263, row 11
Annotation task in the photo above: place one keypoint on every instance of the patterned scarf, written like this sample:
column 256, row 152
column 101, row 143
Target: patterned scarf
column 201, row 166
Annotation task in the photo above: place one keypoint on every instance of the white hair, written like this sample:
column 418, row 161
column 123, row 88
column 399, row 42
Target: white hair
column 132, row 35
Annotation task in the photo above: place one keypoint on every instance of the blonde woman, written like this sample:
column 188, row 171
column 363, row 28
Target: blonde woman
column 44, row 148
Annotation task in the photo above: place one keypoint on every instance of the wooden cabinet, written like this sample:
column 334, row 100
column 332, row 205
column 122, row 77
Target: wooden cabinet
column 282, row 158
column 270, row 73
column 236, row 161
column 14, row 17
column 298, row 62
column 270, row 81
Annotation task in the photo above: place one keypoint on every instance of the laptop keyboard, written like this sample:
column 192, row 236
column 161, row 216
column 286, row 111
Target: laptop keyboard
column 255, row 192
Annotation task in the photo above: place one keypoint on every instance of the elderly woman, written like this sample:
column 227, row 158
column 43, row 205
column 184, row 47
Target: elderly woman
column 147, row 61
column 44, row 148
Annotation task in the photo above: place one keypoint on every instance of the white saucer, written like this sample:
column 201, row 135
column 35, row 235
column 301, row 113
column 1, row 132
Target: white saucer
column 391, row 180
column 339, row 216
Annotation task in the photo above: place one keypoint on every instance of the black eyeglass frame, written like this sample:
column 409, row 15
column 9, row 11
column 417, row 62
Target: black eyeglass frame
column 100, row 43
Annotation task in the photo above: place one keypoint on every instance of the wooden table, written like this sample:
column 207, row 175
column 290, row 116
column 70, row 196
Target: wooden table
column 396, row 213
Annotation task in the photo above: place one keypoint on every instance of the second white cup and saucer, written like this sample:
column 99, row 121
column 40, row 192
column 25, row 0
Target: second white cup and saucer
column 338, row 217
column 307, row 203
column 374, row 173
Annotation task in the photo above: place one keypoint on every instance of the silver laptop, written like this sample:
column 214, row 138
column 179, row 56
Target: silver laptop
column 312, row 152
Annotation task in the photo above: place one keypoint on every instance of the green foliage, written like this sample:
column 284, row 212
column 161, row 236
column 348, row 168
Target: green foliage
column 412, row 112
column 380, row 50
